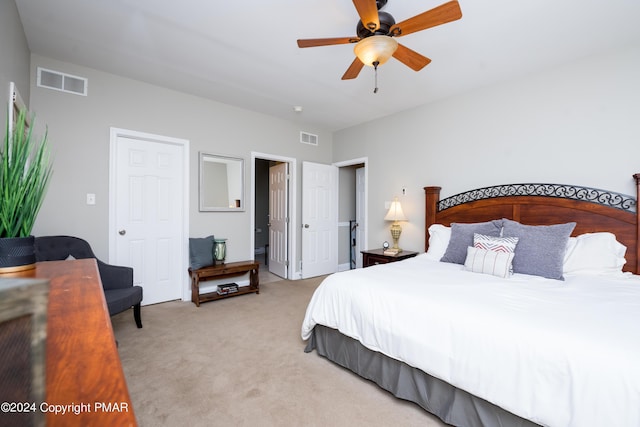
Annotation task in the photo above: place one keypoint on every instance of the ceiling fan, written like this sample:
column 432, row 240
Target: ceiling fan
column 376, row 32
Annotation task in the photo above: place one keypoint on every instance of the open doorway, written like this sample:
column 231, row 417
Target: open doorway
column 352, row 213
column 273, row 194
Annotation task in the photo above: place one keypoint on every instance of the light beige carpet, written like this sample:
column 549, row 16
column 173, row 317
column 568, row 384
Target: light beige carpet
column 240, row 362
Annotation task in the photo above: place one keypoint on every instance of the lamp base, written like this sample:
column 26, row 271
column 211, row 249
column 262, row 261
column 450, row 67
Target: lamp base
column 396, row 230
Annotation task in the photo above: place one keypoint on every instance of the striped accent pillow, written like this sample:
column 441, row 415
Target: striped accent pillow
column 495, row 244
column 489, row 262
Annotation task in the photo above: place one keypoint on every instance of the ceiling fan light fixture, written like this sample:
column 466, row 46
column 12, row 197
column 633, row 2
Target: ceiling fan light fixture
column 375, row 49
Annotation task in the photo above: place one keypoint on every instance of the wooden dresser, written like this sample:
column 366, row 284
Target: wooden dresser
column 83, row 370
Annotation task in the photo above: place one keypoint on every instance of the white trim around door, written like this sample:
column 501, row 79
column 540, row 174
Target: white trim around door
column 293, row 272
column 364, row 161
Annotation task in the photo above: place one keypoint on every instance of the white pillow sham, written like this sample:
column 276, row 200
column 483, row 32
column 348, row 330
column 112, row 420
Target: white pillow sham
column 594, row 253
column 439, row 236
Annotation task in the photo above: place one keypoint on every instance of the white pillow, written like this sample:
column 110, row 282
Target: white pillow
column 489, row 262
column 439, row 236
column 594, row 253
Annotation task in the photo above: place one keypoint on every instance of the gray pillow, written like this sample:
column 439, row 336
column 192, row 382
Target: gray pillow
column 200, row 252
column 540, row 250
column 462, row 238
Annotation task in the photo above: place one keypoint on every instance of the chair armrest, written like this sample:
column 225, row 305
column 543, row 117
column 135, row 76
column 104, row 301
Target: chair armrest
column 115, row 276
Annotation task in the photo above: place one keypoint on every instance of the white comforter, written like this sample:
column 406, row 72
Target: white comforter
column 557, row 353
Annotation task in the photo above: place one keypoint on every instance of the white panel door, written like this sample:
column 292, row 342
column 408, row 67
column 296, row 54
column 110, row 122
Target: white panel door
column 278, row 223
column 319, row 219
column 149, row 215
column 360, row 209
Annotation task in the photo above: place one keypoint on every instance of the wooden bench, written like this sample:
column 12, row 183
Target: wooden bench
column 221, row 271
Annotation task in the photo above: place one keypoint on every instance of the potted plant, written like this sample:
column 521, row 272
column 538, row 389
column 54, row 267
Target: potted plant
column 24, row 175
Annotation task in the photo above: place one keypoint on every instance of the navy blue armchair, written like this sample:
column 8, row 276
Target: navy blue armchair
column 117, row 281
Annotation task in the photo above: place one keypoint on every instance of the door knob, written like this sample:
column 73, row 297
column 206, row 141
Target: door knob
column 306, row 226
column 122, row 232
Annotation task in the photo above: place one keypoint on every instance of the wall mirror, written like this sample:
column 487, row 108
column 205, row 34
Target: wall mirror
column 221, row 183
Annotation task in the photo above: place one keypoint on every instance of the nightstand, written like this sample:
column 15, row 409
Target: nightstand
column 377, row 256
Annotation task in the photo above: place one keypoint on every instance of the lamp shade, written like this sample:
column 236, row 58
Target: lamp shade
column 395, row 212
column 375, row 49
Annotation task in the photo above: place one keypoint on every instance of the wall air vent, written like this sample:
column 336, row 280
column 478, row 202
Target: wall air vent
column 61, row 81
column 308, row 138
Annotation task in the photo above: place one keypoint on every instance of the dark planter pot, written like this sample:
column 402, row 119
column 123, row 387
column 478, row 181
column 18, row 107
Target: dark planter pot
column 17, row 254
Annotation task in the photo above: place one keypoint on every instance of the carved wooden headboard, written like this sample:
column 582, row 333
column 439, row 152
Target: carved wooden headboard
column 543, row 204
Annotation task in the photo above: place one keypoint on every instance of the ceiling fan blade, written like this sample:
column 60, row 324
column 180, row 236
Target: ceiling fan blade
column 411, row 58
column 327, row 42
column 368, row 12
column 442, row 14
column 353, row 70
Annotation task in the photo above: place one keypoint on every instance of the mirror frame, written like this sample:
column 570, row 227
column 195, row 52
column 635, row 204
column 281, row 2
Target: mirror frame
column 205, row 206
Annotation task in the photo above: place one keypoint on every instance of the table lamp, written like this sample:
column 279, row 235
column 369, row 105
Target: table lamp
column 396, row 215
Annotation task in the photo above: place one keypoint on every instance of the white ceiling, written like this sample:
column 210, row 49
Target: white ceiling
column 244, row 53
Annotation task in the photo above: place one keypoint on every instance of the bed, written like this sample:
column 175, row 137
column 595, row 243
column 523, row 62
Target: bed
column 550, row 343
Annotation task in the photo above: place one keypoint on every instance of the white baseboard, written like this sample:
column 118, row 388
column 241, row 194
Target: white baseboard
column 344, row 267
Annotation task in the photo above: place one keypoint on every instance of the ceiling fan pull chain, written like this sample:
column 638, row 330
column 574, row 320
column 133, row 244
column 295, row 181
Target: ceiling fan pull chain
column 375, row 74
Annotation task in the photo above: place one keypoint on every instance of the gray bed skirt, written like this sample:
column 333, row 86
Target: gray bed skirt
column 450, row 404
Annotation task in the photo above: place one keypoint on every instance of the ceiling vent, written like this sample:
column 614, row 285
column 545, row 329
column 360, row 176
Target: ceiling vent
column 308, row 138
column 61, row 81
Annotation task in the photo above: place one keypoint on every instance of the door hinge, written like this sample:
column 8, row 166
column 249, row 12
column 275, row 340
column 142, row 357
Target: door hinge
column 286, row 220
column 286, row 263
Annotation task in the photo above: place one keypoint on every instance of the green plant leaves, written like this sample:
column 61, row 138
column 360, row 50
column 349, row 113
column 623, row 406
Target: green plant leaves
column 26, row 169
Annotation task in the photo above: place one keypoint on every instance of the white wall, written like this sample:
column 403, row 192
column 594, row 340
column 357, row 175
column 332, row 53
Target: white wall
column 14, row 56
column 577, row 124
column 79, row 136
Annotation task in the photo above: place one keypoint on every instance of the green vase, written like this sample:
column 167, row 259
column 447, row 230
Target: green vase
column 219, row 250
